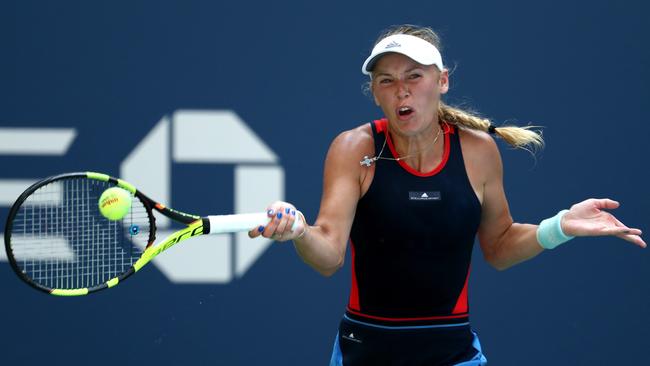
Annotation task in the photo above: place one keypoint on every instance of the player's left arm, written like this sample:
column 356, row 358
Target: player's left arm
column 505, row 243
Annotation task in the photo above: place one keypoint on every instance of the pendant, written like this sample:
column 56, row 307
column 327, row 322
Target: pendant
column 366, row 161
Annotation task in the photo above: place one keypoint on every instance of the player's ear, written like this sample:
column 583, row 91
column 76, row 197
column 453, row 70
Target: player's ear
column 369, row 87
column 372, row 90
column 443, row 81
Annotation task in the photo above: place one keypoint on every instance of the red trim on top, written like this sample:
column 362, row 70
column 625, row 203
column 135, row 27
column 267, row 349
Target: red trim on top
column 461, row 303
column 455, row 316
column 382, row 126
column 353, row 303
column 447, row 128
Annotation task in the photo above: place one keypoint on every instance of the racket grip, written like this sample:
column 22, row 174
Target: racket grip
column 220, row 224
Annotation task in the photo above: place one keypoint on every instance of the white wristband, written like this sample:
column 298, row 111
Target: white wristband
column 549, row 232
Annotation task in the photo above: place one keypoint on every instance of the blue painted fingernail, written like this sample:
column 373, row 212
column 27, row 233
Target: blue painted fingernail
column 293, row 212
column 287, row 210
column 279, row 215
column 260, row 229
column 269, row 212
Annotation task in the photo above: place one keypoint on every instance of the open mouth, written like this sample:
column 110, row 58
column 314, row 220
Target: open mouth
column 405, row 111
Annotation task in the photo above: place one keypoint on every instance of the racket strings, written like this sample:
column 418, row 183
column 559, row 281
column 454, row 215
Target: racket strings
column 60, row 240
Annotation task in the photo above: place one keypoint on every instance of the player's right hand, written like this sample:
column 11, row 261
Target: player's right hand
column 282, row 215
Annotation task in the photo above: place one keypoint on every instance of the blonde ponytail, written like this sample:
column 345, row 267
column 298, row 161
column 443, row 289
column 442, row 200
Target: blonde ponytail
column 519, row 137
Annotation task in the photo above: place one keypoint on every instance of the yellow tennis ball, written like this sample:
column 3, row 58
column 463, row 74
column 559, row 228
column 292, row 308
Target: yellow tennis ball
column 115, row 203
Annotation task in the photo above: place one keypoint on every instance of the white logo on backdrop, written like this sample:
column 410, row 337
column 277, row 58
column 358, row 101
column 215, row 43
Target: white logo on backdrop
column 29, row 142
column 207, row 137
column 187, row 136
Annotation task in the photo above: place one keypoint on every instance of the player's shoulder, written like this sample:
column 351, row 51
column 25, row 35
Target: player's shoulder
column 478, row 141
column 479, row 146
column 358, row 139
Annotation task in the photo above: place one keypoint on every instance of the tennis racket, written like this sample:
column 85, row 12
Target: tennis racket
column 58, row 241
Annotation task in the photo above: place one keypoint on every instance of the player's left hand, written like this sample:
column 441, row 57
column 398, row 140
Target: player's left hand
column 588, row 218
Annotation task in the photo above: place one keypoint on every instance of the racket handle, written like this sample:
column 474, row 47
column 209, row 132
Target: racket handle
column 220, row 224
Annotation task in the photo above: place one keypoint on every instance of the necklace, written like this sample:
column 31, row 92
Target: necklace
column 368, row 161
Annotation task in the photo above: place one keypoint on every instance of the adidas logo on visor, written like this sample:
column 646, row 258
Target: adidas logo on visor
column 393, row 44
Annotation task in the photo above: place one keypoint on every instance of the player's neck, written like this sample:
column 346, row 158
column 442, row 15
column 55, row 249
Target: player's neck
column 418, row 147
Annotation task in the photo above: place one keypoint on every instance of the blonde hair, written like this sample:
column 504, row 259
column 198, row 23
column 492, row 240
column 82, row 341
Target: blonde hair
column 519, row 137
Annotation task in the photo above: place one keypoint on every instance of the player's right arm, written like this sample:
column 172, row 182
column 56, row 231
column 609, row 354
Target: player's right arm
column 323, row 245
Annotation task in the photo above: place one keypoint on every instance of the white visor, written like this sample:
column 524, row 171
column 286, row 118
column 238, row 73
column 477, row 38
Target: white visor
column 413, row 47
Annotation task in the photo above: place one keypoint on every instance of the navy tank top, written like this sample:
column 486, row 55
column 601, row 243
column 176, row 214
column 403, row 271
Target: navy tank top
column 412, row 239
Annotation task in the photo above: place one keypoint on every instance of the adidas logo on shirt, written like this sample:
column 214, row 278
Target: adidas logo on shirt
column 425, row 196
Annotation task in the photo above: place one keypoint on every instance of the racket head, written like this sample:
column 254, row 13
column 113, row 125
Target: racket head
column 58, row 242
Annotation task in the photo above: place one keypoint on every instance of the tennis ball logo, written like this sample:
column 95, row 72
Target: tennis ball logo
column 114, row 203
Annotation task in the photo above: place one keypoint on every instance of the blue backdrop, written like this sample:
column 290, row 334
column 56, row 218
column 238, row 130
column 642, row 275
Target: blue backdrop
column 291, row 71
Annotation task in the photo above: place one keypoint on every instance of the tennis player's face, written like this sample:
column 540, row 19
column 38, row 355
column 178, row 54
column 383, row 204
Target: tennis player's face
column 408, row 92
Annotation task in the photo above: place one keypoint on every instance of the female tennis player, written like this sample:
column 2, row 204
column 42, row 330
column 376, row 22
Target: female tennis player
column 411, row 191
